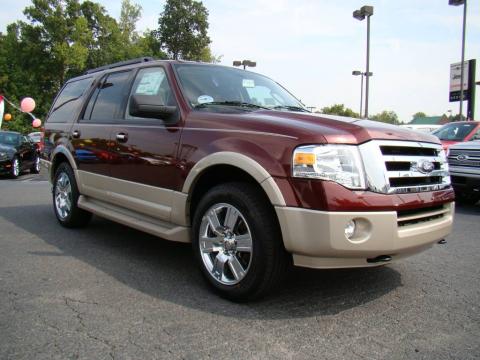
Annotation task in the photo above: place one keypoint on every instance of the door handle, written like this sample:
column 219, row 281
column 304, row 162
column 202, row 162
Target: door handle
column 122, row 137
column 76, row 134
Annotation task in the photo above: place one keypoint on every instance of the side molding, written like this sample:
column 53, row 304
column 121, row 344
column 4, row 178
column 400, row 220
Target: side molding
column 242, row 162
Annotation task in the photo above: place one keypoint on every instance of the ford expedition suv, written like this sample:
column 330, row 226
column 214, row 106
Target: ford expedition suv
column 230, row 161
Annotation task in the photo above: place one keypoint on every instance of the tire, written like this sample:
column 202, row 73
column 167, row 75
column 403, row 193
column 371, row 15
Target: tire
column 16, row 168
column 466, row 198
column 65, row 198
column 35, row 169
column 238, row 268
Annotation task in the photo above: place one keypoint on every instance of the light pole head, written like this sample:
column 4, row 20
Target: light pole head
column 456, row 2
column 367, row 10
column 237, row 63
column 356, row 72
column 249, row 63
column 357, row 14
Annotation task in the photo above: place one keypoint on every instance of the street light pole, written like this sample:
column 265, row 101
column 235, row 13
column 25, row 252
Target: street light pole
column 361, row 14
column 367, row 82
column 462, row 73
column 462, row 66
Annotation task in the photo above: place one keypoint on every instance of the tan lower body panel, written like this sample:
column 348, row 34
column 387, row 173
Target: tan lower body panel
column 135, row 220
column 163, row 204
column 317, row 238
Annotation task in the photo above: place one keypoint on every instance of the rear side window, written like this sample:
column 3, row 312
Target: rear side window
column 106, row 102
column 68, row 101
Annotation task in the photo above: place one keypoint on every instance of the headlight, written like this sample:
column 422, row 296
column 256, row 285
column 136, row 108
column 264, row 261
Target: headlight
column 339, row 163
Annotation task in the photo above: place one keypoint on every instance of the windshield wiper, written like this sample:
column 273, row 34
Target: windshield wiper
column 290, row 108
column 230, row 103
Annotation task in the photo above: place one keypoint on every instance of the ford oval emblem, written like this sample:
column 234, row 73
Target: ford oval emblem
column 425, row 166
column 462, row 157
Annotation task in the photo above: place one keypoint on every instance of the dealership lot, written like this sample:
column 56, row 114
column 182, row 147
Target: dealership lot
column 108, row 291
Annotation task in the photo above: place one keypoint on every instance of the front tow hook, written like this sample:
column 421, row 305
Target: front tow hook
column 381, row 258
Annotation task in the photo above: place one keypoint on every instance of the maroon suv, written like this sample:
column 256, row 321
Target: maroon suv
column 229, row 160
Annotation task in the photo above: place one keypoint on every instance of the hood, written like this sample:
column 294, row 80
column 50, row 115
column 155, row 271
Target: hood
column 307, row 127
column 6, row 148
column 467, row 145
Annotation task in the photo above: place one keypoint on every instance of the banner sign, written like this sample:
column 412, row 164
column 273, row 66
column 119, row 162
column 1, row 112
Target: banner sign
column 455, row 81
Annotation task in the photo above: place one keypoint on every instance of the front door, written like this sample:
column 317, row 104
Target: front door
column 144, row 169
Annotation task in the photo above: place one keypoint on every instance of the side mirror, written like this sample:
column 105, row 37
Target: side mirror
column 148, row 106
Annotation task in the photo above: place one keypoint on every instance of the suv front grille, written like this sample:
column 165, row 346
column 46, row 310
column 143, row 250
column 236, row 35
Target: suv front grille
column 415, row 216
column 405, row 166
column 465, row 158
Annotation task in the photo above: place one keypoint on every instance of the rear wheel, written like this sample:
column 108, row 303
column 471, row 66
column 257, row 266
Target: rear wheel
column 35, row 169
column 237, row 242
column 65, row 198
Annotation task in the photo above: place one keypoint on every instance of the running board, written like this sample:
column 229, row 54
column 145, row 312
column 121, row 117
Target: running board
column 135, row 220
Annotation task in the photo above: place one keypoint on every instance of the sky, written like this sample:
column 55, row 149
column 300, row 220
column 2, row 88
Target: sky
column 311, row 47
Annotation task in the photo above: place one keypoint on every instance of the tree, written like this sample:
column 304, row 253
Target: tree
column 182, row 29
column 61, row 39
column 386, row 116
column 419, row 114
column 339, row 109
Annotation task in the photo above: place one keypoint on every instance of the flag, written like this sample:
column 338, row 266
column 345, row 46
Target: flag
column 2, row 109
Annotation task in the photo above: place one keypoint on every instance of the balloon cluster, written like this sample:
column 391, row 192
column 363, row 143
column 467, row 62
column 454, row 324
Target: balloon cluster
column 27, row 105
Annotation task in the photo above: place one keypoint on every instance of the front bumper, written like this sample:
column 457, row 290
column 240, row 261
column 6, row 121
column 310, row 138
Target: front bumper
column 5, row 167
column 317, row 239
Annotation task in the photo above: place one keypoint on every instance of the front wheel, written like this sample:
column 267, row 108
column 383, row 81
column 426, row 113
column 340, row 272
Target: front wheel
column 15, row 172
column 237, row 242
column 467, row 198
column 65, row 198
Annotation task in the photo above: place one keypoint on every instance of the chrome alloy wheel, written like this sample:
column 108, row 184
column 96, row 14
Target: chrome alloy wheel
column 63, row 196
column 225, row 244
column 37, row 164
column 16, row 167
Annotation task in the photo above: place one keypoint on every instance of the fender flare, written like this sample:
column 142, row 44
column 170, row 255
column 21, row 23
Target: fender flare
column 245, row 163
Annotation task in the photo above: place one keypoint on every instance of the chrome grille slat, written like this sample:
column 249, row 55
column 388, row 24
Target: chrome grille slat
column 402, row 166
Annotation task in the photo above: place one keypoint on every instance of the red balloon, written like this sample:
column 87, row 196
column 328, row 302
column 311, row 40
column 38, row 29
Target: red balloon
column 27, row 105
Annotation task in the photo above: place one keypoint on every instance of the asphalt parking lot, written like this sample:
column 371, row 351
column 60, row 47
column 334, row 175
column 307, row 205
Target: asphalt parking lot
column 110, row 292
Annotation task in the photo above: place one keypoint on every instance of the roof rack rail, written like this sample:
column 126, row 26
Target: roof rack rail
column 119, row 64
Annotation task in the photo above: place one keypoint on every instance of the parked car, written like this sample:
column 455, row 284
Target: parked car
column 427, row 128
column 458, row 131
column 464, row 161
column 37, row 138
column 230, row 161
column 17, row 153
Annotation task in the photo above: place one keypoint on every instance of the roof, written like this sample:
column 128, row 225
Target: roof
column 427, row 120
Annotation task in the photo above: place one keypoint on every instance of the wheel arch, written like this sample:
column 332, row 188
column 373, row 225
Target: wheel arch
column 224, row 167
column 60, row 155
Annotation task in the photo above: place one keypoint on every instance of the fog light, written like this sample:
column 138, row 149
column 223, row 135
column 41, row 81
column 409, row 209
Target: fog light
column 350, row 229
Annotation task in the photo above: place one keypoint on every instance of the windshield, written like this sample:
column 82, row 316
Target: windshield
column 454, row 132
column 9, row 139
column 219, row 85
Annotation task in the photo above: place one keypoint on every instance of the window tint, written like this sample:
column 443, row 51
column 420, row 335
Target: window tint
column 454, row 131
column 106, row 102
column 152, row 82
column 68, row 101
column 7, row 138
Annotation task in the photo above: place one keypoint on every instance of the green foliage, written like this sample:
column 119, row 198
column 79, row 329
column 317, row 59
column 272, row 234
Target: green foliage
column 339, row 109
column 419, row 114
column 386, row 116
column 61, row 39
column 182, row 29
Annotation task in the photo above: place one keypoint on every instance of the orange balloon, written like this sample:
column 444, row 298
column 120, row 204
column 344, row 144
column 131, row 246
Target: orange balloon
column 7, row 117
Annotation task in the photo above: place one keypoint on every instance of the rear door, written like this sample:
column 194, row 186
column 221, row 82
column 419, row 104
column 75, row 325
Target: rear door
column 144, row 169
column 91, row 134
